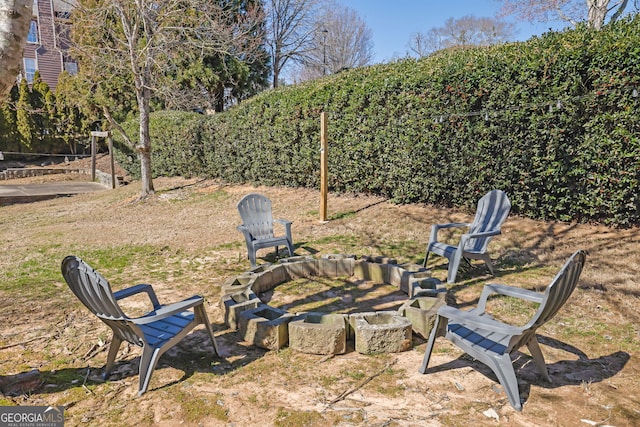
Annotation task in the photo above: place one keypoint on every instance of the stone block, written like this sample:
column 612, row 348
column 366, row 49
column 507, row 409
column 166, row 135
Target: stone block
column 234, row 304
column 396, row 274
column 427, row 286
column 259, row 268
column 401, row 276
column 379, row 259
column 336, row 265
column 371, row 271
column 381, row 332
column 299, row 266
column 421, row 311
column 265, row 327
column 238, row 284
column 319, row 333
column 269, row 278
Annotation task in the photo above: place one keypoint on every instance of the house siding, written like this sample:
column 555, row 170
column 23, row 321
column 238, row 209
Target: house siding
column 50, row 51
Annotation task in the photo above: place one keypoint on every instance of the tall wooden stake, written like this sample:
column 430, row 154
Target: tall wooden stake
column 113, row 165
column 93, row 157
column 324, row 186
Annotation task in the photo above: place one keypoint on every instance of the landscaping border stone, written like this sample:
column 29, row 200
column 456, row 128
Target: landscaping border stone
column 319, row 333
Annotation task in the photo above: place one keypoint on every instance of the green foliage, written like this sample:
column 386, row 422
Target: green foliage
column 8, row 122
column 552, row 121
column 176, row 149
column 216, row 80
column 36, row 120
column 24, row 120
column 71, row 121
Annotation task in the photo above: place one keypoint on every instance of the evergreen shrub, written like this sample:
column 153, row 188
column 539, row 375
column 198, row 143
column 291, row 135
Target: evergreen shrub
column 553, row 121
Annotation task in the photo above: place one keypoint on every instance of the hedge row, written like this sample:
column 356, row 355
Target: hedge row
column 552, row 121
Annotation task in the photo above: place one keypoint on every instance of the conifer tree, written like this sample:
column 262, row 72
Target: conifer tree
column 24, row 120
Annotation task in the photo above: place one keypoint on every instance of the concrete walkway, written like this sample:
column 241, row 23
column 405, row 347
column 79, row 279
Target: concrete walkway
column 10, row 194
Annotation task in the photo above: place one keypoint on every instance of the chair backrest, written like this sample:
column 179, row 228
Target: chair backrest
column 560, row 289
column 255, row 211
column 556, row 294
column 493, row 209
column 94, row 291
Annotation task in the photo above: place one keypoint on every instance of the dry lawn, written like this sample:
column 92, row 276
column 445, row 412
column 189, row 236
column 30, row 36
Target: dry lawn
column 183, row 241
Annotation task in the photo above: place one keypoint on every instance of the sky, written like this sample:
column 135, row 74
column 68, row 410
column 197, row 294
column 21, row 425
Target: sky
column 394, row 22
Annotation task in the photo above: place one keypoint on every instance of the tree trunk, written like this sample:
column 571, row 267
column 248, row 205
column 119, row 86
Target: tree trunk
column 276, row 73
column 598, row 10
column 144, row 146
column 15, row 18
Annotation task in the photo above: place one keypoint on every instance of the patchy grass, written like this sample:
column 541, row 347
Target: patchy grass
column 292, row 418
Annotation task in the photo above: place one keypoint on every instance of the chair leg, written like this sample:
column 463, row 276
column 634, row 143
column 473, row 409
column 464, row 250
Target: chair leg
column 148, row 362
column 252, row 257
column 426, row 258
column 111, row 357
column 429, row 348
column 538, row 358
column 503, row 368
column 487, row 260
column 454, row 264
column 201, row 315
column 290, row 248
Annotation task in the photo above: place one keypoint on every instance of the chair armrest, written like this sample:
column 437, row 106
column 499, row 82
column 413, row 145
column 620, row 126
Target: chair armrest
column 450, row 225
column 133, row 290
column 483, row 234
column 246, row 233
column 433, row 237
column 472, row 320
column 168, row 310
column 510, row 291
column 287, row 228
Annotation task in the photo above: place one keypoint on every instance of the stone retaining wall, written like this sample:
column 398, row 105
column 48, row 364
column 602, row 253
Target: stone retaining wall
column 324, row 333
column 15, row 173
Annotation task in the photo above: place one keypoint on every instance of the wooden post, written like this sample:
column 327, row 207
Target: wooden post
column 113, row 164
column 323, row 167
column 93, row 157
column 94, row 135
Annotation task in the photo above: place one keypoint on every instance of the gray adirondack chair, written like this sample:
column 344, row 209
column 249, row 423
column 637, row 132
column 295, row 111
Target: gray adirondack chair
column 257, row 226
column 156, row 332
column 492, row 342
column 493, row 209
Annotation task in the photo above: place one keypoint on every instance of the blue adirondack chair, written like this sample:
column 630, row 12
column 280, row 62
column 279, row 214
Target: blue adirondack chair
column 156, row 332
column 257, row 226
column 492, row 342
column 493, row 209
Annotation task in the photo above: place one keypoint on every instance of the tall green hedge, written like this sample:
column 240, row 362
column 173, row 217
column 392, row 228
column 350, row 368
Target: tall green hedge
column 552, row 121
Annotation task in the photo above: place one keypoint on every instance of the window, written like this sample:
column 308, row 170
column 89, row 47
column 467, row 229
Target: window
column 32, row 37
column 71, row 68
column 29, row 69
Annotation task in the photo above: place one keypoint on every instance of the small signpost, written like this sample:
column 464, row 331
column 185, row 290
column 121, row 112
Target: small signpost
column 94, row 136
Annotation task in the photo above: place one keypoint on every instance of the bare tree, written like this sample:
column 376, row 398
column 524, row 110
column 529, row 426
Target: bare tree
column 15, row 18
column 141, row 41
column 342, row 40
column 463, row 32
column 422, row 44
column 594, row 12
column 290, row 32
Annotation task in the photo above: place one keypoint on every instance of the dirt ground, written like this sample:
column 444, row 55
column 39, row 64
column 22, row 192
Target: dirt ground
column 52, row 350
